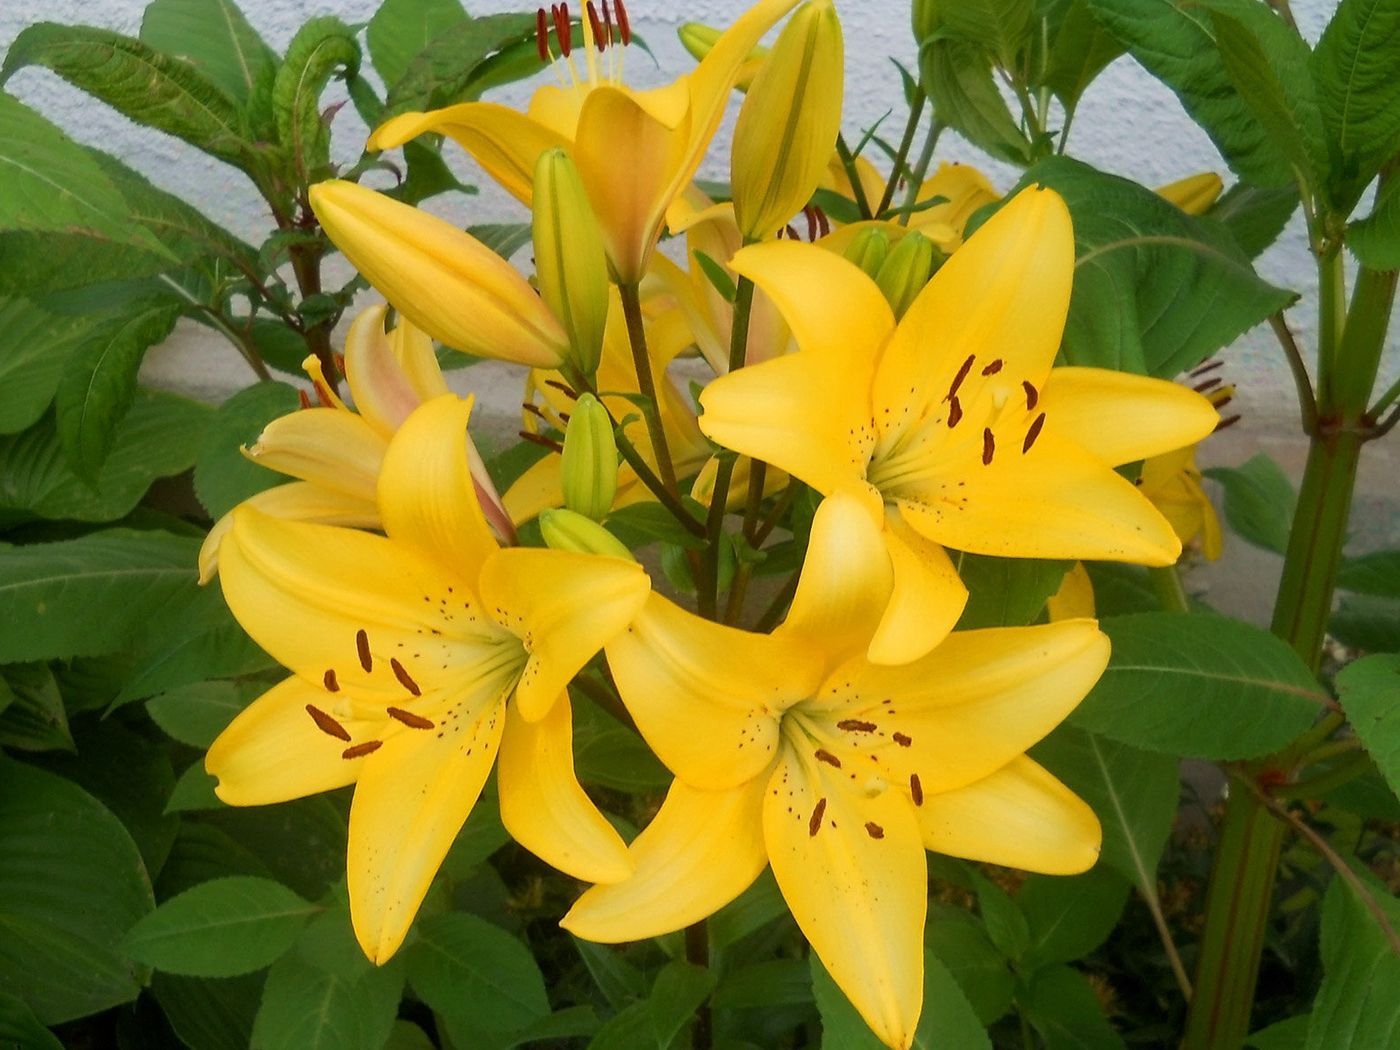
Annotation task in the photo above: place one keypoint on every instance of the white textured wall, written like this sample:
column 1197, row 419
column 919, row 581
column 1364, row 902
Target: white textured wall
column 1128, row 124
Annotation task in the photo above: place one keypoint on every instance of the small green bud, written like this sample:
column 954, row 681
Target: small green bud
column 868, row 250
column 925, row 19
column 589, row 470
column 570, row 261
column 906, row 270
column 563, row 530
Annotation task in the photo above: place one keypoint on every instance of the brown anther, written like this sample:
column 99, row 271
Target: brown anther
column 916, row 789
column 409, row 719
column 1209, row 384
column 541, row 440
column 563, row 388
column 993, row 368
column 599, row 41
column 330, row 682
column 954, row 413
column 1228, row 421
column 827, row 757
column 823, row 223
column 1209, row 366
column 624, row 26
column 902, row 739
column 403, row 677
column 361, row 750
column 811, row 223
column 542, row 34
column 958, row 379
column 362, row 647
column 791, row 233
column 989, row 446
column 339, row 359
column 1032, row 395
column 1223, row 401
column 326, row 724
column 1037, row 425
column 874, row 830
column 814, row 825
column 608, row 22
column 304, row 398
column 856, row 725
column 563, row 29
column 535, row 410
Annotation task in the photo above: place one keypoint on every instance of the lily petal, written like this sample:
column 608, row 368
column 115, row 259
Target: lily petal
column 414, row 350
column 565, row 607
column 701, row 850
column 326, row 446
column 383, row 395
column 544, row 808
column 853, row 872
column 928, row 596
column 677, row 672
column 1122, row 418
column 1020, row 817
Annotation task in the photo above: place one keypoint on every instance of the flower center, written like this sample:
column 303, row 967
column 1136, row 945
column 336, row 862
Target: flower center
column 605, row 36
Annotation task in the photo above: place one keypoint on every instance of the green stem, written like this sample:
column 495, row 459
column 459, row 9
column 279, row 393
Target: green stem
column 697, row 953
column 920, row 172
column 1171, row 595
column 654, row 485
column 1320, row 786
column 1364, row 339
column 646, row 384
column 901, row 157
column 848, row 161
column 1331, row 318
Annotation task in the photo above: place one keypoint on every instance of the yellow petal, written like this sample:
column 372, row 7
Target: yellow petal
column 274, row 750
column 564, row 607
column 326, row 446
column 853, row 872
column 1122, row 418
column 413, row 796
column 541, row 487
column 1075, row 598
column 426, row 491
column 441, row 278
column 927, row 600
column 295, row 501
column 544, row 808
column 383, row 395
column 1020, row 816
column 964, row 188
column 415, row 354
column 707, row 697
column 701, row 850
column 1194, row 194
column 506, row 143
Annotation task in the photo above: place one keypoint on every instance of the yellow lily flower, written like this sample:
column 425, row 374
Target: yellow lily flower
column 335, row 452
column 635, row 150
column 955, row 420
column 793, row 750
column 415, row 660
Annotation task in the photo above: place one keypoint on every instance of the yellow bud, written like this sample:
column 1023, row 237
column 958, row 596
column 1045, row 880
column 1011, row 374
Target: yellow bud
column 563, row 530
column 906, row 270
column 788, row 124
column 570, row 262
column 1194, row 194
column 698, row 39
column 441, row 278
column 868, row 250
column 589, row 469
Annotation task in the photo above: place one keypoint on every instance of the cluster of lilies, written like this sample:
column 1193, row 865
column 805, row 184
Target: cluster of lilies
column 901, row 370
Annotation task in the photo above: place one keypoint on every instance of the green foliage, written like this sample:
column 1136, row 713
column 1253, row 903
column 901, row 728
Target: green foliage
column 1001, row 27
column 400, row 29
column 216, row 38
column 1079, row 52
column 1006, row 592
column 1370, row 693
column 1068, row 918
column 223, row 476
column 320, row 48
column 958, row 79
column 1254, row 215
column 1376, row 239
column 33, row 717
column 1359, row 1001
column 454, row 66
column 1259, row 501
column 1063, row 1008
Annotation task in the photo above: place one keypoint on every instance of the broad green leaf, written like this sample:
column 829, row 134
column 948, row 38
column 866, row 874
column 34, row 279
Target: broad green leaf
column 1174, row 41
column 194, row 791
column 480, row 979
column 947, row 1019
column 35, row 718
column 765, row 985
column 1062, row 1006
column 157, row 438
column 1291, row 1034
column 1156, row 291
column 610, row 755
column 1122, row 589
column 959, row 82
column 503, row 238
column 209, row 1014
column 1370, row 694
column 71, row 884
column 1377, row 574
column 1003, row 919
column 301, row 843
column 1070, row 917
column 618, row 980
column 400, row 29
column 214, row 37
column 445, row 71
column 1079, row 52
column 1199, row 685
column 1367, row 622
column 196, row 714
column 1006, row 592
column 1259, row 501
column 99, row 382
column 88, row 596
column 1375, row 240
column 223, row 476
column 36, row 346
column 677, row 994
column 961, row 943
column 139, row 82
column 307, row 1006
column 222, row 928
column 19, row 1027
column 1254, row 215
column 320, row 48
column 202, row 852
column 1358, row 92
column 1358, row 1004
column 1001, row 27
column 759, row 905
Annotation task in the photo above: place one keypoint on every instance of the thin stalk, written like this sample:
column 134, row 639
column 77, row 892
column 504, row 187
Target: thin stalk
column 738, row 590
column 1171, row 595
column 1307, row 400
column 1364, row 339
column 1164, row 934
column 901, row 157
column 1331, row 319
column 1324, row 783
column 654, row 485
column 758, row 478
column 1387, row 399
column 217, row 321
column 646, row 384
column 306, row 265
column 920, row 172
column 777, row 606
column 848, row 161
column 766, row 527
column 697, row 953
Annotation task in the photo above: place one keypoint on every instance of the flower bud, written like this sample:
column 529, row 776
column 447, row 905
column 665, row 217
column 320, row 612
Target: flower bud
column 570, row 261
column 788, row 124
column 1194, row 194
column 868, row 250
column 563, row 530
column 906, row 270
column 925, row 19
column 589, row 469
column 698, row 39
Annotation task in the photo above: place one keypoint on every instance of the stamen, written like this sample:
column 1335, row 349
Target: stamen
column 304, row 398
column 1209, row 366
column 855, row 725
column 874, row 830
column 815, row 824
column 1228, row 421
column 596, row 26
column 823, row 223
column 916, row 789
column 361, row 750
column 1034, row 432
column 326, row 724
column 811, row 223
column 827, row 757
column 563, row 388
column 409, row 719
column 541, row 440
column 362, row 647
column 608, row 21
column 332, row 686
column 958, row 379
column 403, row 677
column 1032, row 396
column 624, row 25
column 993, row 368
column 902, row 739
column 954, row 413
column 1209, row 384
column 989, row 446
column 563, row 29
column 542, row 34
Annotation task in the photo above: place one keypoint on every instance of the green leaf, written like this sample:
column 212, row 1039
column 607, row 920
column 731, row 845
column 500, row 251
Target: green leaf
column 194, row 791
column 1359, row 1001
column 1006, row 592
column 321, row 46
column 1291, row 1034
column 209, row 1014
column 959, row 81
column 610, row 755
column 1069, row 917
column 99, row 382
column 1259, row 501
column 1156, row 291
column 139, row 82
column 1001, row 27
column 223, row 476
column 71, row 884
column 1175, row 42
column 221, row 928
column 618, row 980
column 19, row 1028
column 1370, row 694
column 1358, row 92
column 1254, row 215
column 215, row 38
column 961, row 944
column 765, row 985
column 196, row 714
column 947, row 1019
column 680, row 989
column 1200, row 685
column 1005, row 924
column 157, row 438
column 1364, row 621
column 1080, row 51
column 476, row 976
column 88, row 596
column 1065, row 1011
column 400, row 29
column 1375, row 240
column 37, row 344
column 34, row 719
column 446, row 70
column 1377, row 573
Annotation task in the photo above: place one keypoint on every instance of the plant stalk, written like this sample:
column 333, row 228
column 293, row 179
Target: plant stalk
column 646, row 384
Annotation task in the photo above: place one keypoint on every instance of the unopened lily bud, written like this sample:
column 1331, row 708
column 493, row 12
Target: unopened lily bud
column 571, row 264
column 441, row 278
column 589, row 470
column 564, row 530
column 868, row 250
column 788, row 124
column 1194, row 194
column 698, row 39
column 906, row 270
column 925, row 19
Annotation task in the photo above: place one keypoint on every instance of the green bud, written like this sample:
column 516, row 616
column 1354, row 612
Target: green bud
column 563, row 530
column 570, row 262
column 589, row 470
column 925, row 19
column 906, row 270
column 868, row 250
